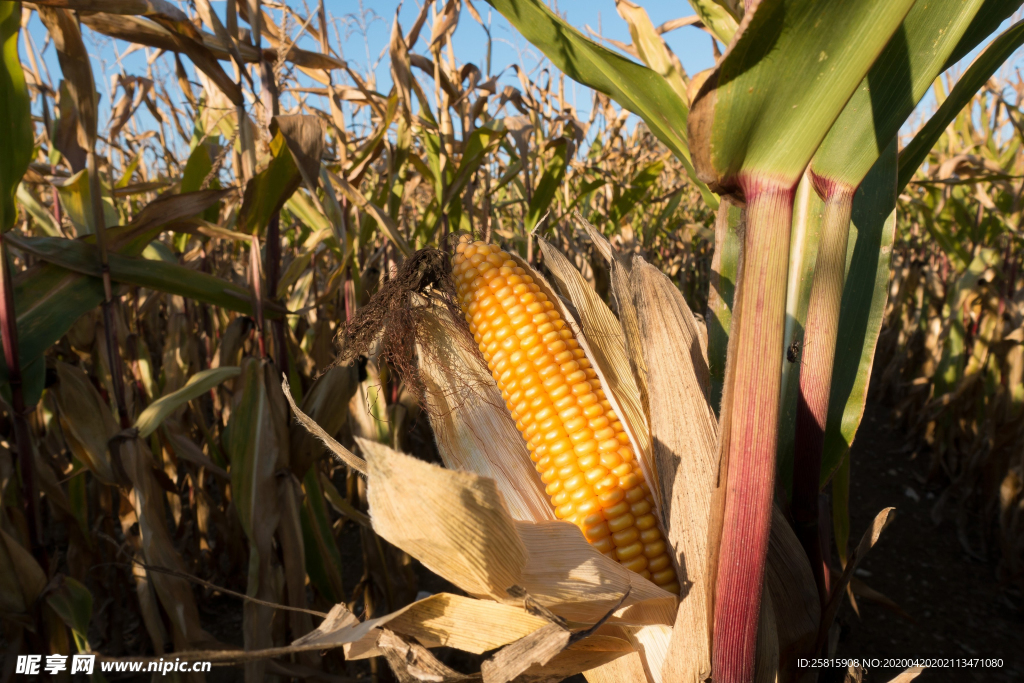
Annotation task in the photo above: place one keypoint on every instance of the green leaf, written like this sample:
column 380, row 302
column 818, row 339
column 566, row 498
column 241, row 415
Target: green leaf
column 49, row 298
column 547, row 186
column 81, row 257
column 985, row 22
column 16, row 139
column 43, row 218
column 724, row 272
column 771, row 100
column 268, row 190
column 637, row 88
column 865, row 292
column 716, row 18
column 895, row 84
column 651, row 48
column 482, row 142
column 197, row 167
column 75, row 198
column 637, row 190
column 997, row 52
column 197, row 385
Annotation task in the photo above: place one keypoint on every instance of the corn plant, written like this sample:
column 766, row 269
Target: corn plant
column 163, row 270
column 949, row 353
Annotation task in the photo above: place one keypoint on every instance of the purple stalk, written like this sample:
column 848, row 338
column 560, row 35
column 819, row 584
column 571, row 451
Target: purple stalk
column 750, row 426
column 817, row 359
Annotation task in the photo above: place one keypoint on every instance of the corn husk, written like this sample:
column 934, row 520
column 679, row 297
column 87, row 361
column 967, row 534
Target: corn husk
column 464, row 532
column 472, row 427
column 685, row 433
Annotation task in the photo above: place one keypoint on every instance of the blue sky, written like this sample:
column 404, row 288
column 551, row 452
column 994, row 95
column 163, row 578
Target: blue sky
column 360, row 29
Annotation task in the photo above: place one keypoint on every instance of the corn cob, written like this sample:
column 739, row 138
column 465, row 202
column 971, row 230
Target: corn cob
column 574, row 436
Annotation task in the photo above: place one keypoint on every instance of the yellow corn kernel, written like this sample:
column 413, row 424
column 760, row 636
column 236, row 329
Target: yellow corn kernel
column 574, row 436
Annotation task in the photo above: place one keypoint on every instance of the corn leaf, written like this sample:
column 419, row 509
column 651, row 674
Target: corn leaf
column 198, row 384
column 268, row 190
column 480, row 143
column 997, row 52
column 76, row 200
column 81, row 257
column 72, row 602
column 986, row 21
column 717, row 18
column 651, row 48
column 85, row 420
column 21, row 579
column 323, row 559
column 637, row 88
column 753, row 117
column 725, row 267
column 257, row 445
column 43, row 218
column 547, row 186
column 808, row 211
column 895, row 84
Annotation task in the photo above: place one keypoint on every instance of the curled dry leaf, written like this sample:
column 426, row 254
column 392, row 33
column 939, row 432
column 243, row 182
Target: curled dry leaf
column 909, row 675
column 343, row 454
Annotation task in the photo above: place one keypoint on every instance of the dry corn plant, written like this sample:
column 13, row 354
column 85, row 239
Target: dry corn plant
column 951, row 349
column 160, row 278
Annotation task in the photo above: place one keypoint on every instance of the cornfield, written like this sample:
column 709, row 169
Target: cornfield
column 253, row 416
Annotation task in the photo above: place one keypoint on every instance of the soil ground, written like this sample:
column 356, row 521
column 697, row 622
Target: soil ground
column 957, row 610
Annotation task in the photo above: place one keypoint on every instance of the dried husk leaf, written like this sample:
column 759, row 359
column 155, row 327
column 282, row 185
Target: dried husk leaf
column 651, row 642
column 536, row 649
column 585, row 655
column 453, row 522
column 472, row 426
column 684, row 433
column 413, row 663
column 909, row 674
column 568, row 576
column 464, row 532
column 600, row 336
column 442, row 620
column 626, row 669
